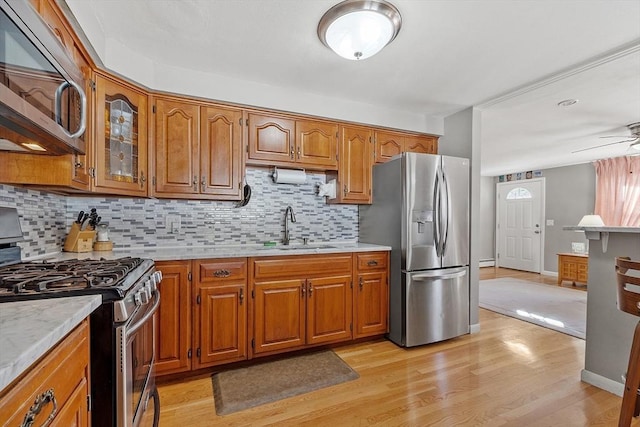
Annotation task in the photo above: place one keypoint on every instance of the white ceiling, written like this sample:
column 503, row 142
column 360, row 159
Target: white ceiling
column 514, row 60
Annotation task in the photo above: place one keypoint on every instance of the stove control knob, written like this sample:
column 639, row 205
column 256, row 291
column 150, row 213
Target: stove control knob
column 151, row 285
column 157, row 277
column 137, row 298
column 144, row 297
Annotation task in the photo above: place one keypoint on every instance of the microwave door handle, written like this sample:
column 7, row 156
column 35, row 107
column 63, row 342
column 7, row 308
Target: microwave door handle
column 83, row 108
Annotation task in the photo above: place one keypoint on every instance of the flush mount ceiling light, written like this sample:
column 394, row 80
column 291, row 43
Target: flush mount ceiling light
column 358, row 29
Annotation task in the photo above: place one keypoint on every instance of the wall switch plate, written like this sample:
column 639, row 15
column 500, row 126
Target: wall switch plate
column 550, row 222
column 173, row 223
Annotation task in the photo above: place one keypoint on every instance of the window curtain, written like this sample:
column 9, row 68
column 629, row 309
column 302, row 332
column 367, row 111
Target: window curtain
column 618, row 191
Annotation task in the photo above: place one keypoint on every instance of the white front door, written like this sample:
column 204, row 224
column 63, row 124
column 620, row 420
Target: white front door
column 519, row 230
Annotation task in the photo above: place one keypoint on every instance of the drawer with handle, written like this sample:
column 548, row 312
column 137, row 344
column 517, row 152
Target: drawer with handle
column 371, row 261
column 221, row 269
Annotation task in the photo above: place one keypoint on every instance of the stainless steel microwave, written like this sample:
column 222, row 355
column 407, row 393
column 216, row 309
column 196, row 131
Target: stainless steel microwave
column 42, row 102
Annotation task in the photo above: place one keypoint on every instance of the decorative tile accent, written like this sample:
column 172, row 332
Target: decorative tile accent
column 46, row 218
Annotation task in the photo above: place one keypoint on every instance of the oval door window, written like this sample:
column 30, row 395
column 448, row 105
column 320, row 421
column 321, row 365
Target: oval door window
column 519, row 193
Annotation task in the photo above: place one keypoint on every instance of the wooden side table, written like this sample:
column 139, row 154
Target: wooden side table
column 573, row 267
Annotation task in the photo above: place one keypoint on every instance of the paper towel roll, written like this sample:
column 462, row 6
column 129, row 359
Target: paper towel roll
column 286, row 176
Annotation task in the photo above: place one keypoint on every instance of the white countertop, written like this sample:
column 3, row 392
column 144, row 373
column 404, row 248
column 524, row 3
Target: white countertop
column 28, row 329
column 219, row 251
column 604, row 229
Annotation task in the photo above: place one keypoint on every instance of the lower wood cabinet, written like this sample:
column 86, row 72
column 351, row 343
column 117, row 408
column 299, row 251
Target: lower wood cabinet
column 299, row 301
column 216, row 311
column 371, row 293
column 220, row 332
column 573, row 267
column 173, row 343
column 59, row 381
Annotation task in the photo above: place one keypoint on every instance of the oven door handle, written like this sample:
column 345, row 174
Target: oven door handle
column 132, row 330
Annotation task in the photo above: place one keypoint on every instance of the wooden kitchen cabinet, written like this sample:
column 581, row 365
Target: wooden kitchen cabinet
column 220, row 330
column 197, row 151
column 121, row 138
column 173, row 340
column 60, row 380
column 390, row 143
column 299, row 301
column 276, row 140
column 371, row 293
column 353, row 179
column 573, row 267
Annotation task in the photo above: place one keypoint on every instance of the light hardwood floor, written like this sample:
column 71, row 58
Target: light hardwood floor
column 511, row 373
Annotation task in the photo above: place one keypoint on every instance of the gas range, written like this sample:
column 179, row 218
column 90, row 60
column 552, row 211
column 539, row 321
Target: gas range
column 112, row 279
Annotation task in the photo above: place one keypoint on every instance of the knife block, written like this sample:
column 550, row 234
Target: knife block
column 79, row 240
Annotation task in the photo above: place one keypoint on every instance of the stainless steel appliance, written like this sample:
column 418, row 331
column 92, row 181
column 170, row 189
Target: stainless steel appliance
column 42, row 103
column 421, row 209
column 123, row 328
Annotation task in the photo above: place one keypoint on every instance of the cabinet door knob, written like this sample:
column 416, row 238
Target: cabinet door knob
column 291, row 153
column 310, row 289
column 241, row 296
column 195, row 183
column 203, row 183
column 361, row 283
column 303, row 289
column 143, row 179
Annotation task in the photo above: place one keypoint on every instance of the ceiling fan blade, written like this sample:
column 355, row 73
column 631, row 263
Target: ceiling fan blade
column 603, row 145
column 614, row 136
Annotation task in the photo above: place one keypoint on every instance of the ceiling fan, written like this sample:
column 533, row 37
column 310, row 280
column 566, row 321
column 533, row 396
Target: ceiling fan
column 634, row 139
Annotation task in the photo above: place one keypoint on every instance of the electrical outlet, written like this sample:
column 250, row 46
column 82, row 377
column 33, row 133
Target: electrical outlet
column 173, row 223
column 550, row 222
column 578, row 247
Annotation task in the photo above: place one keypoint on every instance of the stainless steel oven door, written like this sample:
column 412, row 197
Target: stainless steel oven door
column 135, row 370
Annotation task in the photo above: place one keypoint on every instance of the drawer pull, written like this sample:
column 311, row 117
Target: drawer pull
column 372, row 263
column 37, row 406
column 222, row 273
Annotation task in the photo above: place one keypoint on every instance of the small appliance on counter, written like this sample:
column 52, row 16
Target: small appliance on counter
column 10, row 234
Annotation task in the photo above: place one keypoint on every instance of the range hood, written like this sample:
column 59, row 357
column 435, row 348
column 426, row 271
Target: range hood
column 42, row 103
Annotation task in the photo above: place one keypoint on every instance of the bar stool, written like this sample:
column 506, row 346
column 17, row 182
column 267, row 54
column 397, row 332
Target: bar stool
column 629, row 302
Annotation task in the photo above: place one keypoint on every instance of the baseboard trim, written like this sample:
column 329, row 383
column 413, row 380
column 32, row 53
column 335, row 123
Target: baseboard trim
column 602, row 382
column 475, row 328
column 487, row 263
column 549, row 273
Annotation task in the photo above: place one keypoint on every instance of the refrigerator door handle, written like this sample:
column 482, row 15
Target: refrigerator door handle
column 438, row 275
column 445, row 232
column 436, row 208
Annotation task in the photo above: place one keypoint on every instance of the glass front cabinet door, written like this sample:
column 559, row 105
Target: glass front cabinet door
column 121, row 138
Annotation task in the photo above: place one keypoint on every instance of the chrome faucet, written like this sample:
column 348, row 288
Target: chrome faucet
column 288, row 214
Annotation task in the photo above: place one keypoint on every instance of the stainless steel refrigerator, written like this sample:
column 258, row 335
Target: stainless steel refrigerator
column 421, row 209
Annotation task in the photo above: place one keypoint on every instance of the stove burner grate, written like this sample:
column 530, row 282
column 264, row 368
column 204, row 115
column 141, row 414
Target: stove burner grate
column 72, row 275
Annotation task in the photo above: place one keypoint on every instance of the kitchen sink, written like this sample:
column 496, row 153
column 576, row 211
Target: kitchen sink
column 300, row 247
column 287, row 248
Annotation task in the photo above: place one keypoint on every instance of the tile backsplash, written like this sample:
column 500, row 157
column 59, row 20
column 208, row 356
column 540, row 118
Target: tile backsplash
column 135, row 222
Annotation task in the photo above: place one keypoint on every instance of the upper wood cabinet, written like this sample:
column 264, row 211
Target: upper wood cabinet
column 390, row 143
column 121, row 138
column 354, row 165
column 197, row 150
column 282, row 141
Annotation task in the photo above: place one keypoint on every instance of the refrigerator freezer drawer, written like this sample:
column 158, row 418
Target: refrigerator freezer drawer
column 437, row 305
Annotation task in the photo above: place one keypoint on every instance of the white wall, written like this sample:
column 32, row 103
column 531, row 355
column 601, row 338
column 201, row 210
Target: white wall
column 487, row 222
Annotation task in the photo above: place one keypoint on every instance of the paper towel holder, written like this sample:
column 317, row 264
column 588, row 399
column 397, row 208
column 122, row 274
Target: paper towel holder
column 288, row 176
